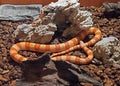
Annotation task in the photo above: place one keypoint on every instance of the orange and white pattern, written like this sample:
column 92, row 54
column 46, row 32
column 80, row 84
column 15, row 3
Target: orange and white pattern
column 62, row 48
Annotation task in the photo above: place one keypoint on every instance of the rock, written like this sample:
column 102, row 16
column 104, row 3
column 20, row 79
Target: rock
column 106, row 40
column 108, row 50
column 70, row 13
column 75, row 74
column 43, row 71
column 19, row 12
column 112, row 9
column 40, row 34
column 62, row 15
column 39, row 71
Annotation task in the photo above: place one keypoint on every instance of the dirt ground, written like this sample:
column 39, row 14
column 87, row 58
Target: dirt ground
column 12, row 73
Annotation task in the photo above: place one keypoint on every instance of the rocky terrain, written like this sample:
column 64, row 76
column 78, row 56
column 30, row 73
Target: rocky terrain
column 44, row 72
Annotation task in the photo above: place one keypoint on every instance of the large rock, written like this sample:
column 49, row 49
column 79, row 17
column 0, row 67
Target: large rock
column 108, row 50
column 63, row 15
column 40, row 34
column 42, row 71
column 68, row 12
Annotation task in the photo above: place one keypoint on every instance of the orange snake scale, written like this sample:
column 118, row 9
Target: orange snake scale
column 62, row 48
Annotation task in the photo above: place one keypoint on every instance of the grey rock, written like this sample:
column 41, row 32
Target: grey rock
column 19, row 12
column 68, row 11
column 40, row 34
column 108, row 50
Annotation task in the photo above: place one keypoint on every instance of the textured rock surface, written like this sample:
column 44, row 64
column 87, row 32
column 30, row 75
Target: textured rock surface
column 112, row 9
column 61, row 15
column 39, row 34
column 19, row 12
column 69, row 17
column 108, row 50
column 51, row 73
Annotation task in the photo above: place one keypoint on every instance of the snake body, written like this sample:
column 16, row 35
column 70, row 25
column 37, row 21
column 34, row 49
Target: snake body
column 58, row 49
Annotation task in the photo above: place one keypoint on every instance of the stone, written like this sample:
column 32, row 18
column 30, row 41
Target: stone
column 63, row 15
column 108, row 50
column 40, row 34
column 68, row 11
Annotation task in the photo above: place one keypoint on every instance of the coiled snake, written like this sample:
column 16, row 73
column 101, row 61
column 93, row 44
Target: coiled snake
column 62, row 48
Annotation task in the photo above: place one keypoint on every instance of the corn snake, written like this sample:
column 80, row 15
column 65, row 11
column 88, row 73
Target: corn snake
column 58, row 49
